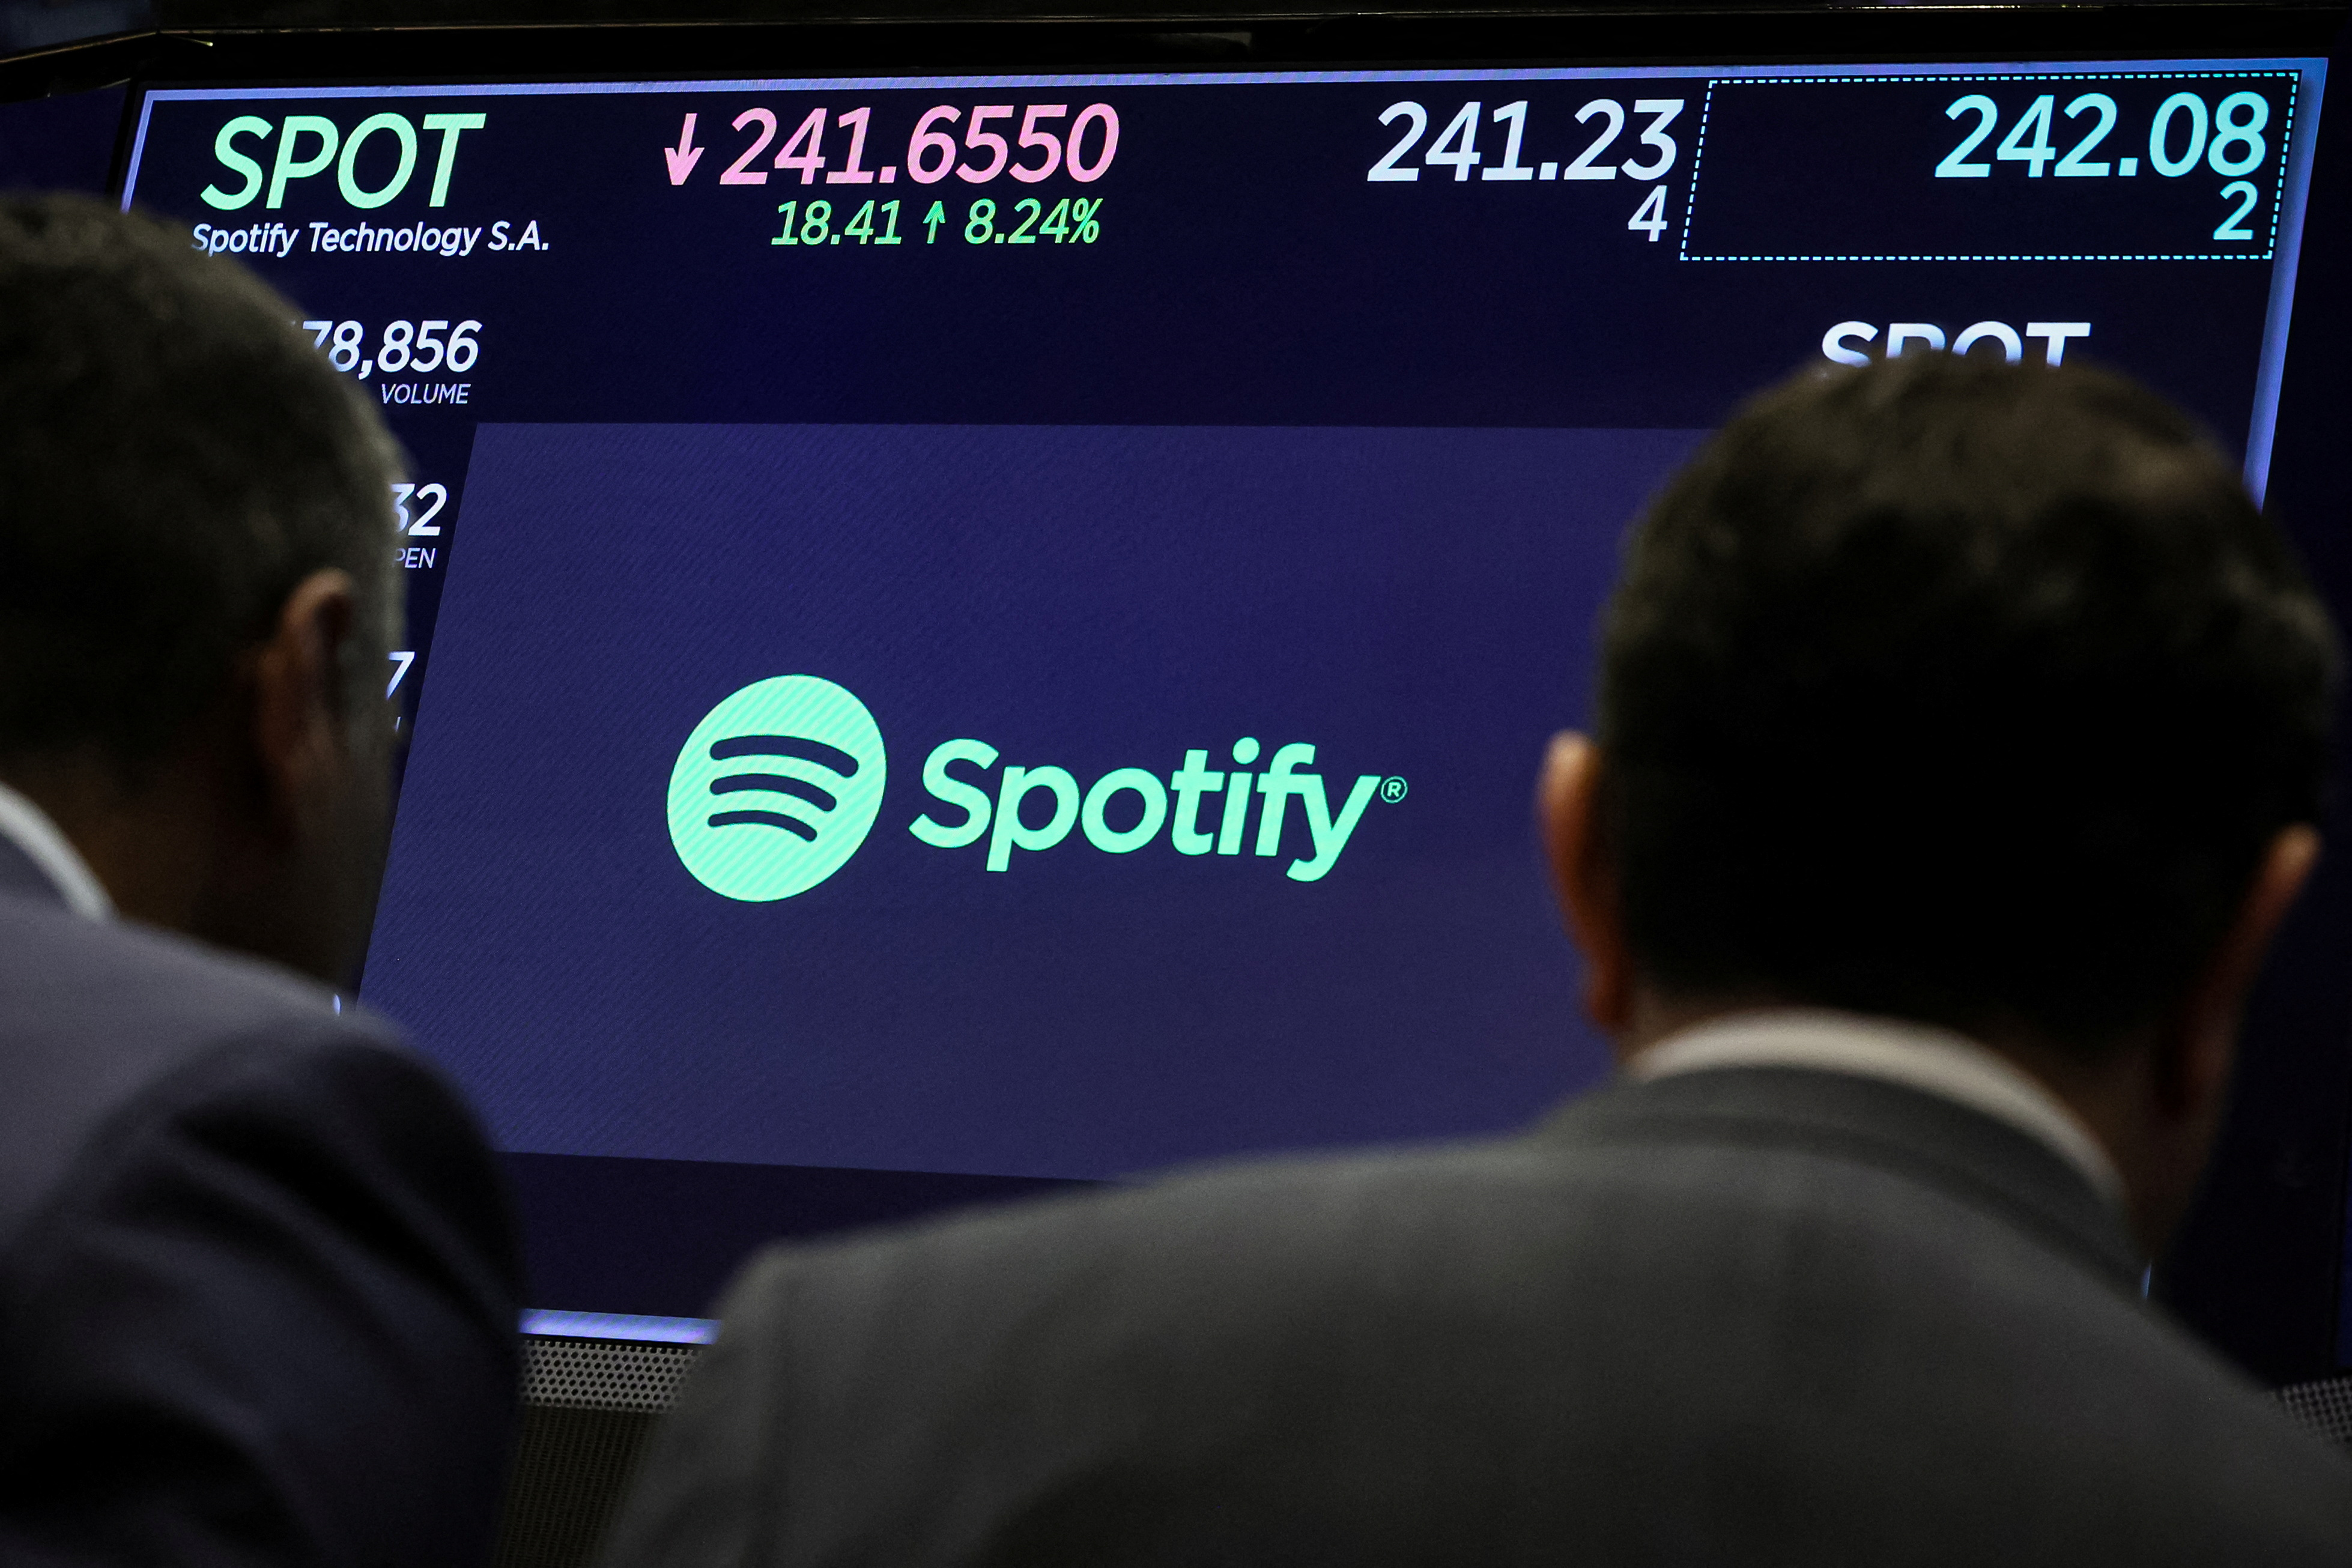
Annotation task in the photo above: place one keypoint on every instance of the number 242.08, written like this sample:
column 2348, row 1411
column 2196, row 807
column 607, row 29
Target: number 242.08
column 2180, row 136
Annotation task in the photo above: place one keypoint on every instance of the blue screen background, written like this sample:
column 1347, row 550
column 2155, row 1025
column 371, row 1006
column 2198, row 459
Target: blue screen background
column 1418, row 603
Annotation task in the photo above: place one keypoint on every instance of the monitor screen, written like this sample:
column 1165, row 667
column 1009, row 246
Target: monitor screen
column 970, row 633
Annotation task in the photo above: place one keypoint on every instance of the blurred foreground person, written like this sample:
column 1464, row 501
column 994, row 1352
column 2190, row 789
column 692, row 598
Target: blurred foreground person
column 1962, row 728
column 256, row 1276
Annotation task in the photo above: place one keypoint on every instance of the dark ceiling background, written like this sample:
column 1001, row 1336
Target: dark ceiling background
column 49, row 48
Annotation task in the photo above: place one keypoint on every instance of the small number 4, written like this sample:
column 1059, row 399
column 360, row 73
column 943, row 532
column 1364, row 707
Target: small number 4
column 1651, row 215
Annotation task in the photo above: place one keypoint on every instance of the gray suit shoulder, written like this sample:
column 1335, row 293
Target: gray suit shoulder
column 258, row 1276
column 93, row 1016
column 1480, row 1353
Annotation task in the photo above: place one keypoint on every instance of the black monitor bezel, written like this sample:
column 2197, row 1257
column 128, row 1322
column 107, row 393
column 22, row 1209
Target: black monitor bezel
column 2258, row 1269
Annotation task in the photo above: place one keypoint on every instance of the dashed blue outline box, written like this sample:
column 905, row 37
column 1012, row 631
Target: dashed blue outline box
column 2279, row 172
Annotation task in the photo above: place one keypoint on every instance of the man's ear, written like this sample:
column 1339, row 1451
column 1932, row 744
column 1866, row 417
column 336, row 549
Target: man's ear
column 1568, row 814
column 2193, row 1065
column 301, row 731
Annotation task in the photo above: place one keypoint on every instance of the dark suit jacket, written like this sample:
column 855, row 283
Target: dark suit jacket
column 257, row 1272
column 1747, row 1316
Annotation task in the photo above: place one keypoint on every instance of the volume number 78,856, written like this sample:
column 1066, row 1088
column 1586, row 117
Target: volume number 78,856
column 418, row 346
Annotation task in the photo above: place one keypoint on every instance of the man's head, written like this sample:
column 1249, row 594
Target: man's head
column 196, row 585
column 1964, row 693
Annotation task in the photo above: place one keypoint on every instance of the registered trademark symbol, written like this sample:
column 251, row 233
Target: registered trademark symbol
column 1392, row 789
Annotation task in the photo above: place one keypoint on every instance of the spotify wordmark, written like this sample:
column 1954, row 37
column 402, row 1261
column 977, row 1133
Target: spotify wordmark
column 780, row 784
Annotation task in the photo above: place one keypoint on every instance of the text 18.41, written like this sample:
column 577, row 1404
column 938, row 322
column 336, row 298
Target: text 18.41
column 1071, row 221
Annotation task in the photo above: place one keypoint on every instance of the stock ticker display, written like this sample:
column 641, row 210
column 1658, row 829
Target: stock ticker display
column 1006, row 624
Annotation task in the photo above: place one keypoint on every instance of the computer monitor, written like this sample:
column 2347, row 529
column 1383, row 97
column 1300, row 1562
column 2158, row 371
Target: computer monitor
column 977, row 630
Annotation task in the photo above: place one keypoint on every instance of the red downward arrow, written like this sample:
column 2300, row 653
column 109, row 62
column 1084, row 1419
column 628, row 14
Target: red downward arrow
column 683, row 157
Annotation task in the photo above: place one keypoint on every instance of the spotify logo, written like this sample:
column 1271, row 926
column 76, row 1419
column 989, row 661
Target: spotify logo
column 780, row 784
column 776, row 788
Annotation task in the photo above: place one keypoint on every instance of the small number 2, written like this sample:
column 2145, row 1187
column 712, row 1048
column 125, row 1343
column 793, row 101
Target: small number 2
column 2233, row 226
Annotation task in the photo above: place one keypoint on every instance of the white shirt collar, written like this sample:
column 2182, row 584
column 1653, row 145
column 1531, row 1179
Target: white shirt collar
column 28, row 827
column 1933, row 1060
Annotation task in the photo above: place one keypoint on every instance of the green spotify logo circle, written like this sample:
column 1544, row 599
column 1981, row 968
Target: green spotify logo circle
column 776, row 788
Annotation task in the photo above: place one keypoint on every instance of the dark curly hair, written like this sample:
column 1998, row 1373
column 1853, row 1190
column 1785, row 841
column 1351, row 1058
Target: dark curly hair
column 1958, row 691
column 174, row 457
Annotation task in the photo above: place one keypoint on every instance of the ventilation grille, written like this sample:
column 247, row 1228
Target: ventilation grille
column 571, row 1467
column 589, row 1406
column 2324, row 1407
column 604, row 1374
